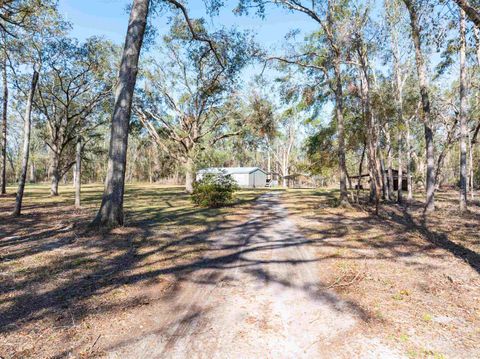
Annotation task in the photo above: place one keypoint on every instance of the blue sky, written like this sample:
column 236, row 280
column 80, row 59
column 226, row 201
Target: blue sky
column 96, row 17
column 109, row 18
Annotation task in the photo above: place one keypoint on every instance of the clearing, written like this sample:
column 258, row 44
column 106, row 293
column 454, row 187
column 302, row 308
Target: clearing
column 281, row 275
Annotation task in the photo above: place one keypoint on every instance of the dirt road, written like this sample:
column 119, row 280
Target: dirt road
column 255, row 295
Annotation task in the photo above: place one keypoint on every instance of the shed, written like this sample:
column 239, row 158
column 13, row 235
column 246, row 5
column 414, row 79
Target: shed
column 395, row 179
column 251, row 177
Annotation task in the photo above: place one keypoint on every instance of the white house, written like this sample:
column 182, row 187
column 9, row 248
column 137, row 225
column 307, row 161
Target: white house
column 245, row 176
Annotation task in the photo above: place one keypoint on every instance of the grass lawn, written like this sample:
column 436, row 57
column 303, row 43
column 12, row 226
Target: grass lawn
column 61, row 283
column 416, row 279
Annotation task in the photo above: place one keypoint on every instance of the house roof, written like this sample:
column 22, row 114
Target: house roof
column 231, row 170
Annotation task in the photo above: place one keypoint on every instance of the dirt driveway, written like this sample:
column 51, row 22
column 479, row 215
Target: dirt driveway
column 255, row 295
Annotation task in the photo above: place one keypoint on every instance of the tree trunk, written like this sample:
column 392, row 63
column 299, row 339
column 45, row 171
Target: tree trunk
column 110, row 213
column 409, row 163
column 389, row 161
column 360, row 169
column 26, row 146
column 74, row 174
column 55, row 173
column 285, row 169
column 33, row 177
column 472, row 13
column 400, row 169
column 390, row 174
column 350, row 186
column 189, row 175
column 375, row 167
column 78, row 172
column 12, row 164
column 338, row 93
column 426, row 115
column 399, row 110
column 150, row 167
column 284, row 176
column 384, row 172
column 430, row 154
column 3, row 176
column 384, row 179
column 463, row 116
column 373, row 190
column 470, row 167
column 269, row 164
column 472, row 140
column 476, row 35
column 340, row 129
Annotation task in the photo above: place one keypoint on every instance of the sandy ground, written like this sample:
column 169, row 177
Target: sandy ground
column 255, row 294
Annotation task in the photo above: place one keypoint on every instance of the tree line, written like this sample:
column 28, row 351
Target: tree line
column 401, row 77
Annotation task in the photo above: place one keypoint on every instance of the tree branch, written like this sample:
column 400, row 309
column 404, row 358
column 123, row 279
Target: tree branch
column 195, row 35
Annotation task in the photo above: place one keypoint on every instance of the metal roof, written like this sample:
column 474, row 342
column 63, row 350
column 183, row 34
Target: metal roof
column 231, row 170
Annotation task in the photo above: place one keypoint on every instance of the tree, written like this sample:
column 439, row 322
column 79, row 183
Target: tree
column 369, row 119
column 392, row 15
column 26, row 145
column 17, row 13
column 33, row 49
column 78, row 171
column 472, row 13
column 189, row 103
column 320, row 150
column 425, row 98
column 3, row 176
column 463, row 115
column 17, row 18
column 110, row 213
column 286, row 140
column 76, row 84
column 328, row 16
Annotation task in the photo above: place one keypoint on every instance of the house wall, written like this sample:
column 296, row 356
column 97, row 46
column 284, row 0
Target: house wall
column 242, row 179
column 257, row 179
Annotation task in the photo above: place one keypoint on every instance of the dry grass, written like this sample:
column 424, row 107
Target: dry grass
column 64, row 288
column 419, row 279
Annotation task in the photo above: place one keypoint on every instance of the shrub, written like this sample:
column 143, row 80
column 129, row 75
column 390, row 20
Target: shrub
column 214, row 190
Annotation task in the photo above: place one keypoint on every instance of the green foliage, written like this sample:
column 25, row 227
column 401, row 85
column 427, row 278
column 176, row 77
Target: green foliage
column 190, row 101
column 260, row 121
column 74, row 96
column 214, row 190
column 321, row 151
